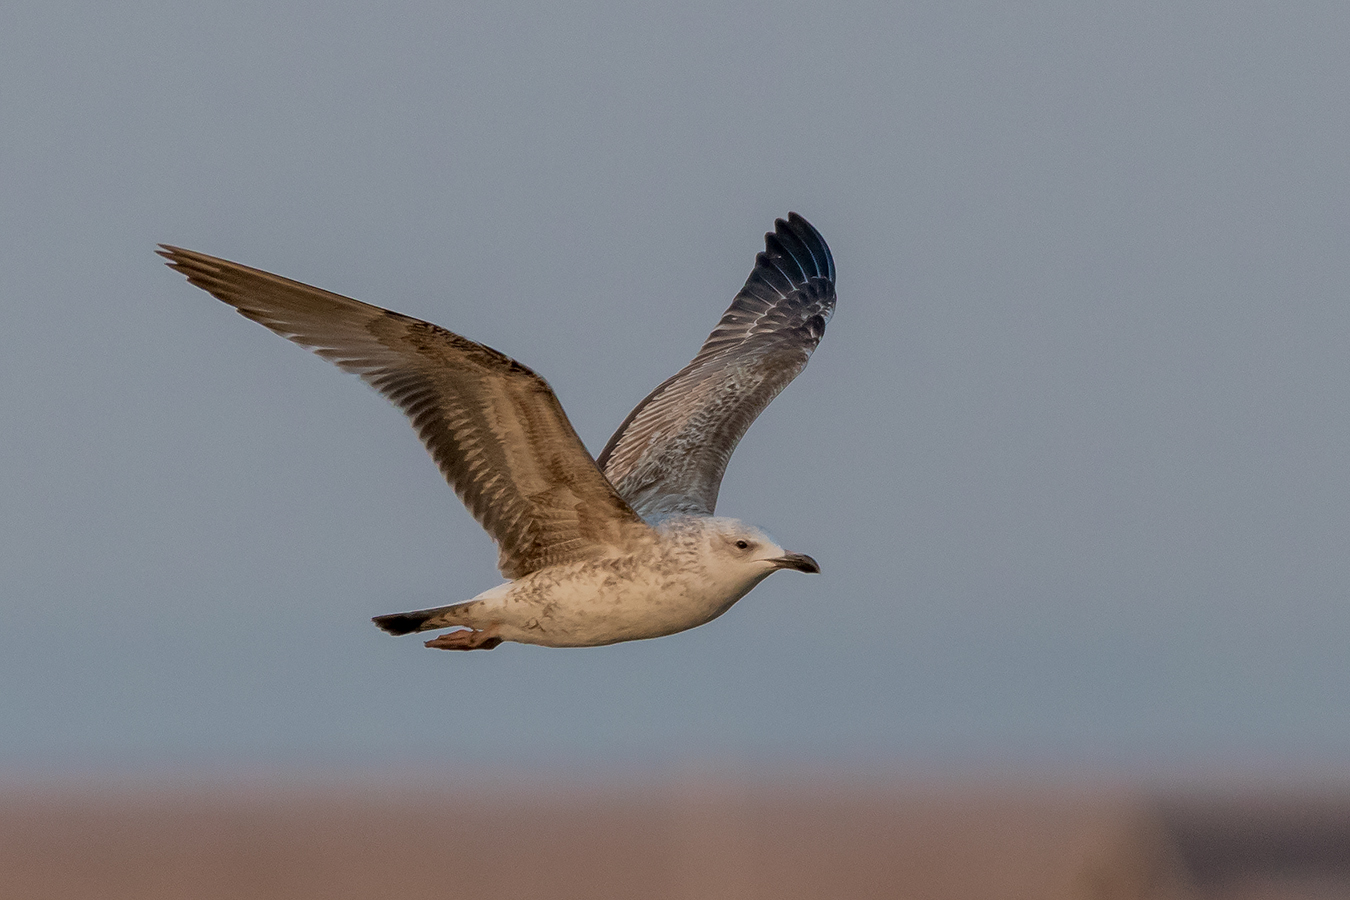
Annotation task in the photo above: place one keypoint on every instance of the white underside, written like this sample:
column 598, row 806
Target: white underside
column 670, row 586
column 592, row 610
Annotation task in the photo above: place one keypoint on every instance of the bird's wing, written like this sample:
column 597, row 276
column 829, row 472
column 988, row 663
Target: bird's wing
column 494, row 427
column 668, row 456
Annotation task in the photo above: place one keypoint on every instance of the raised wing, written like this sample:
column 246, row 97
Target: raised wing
column 668, row 456
column 494, row 427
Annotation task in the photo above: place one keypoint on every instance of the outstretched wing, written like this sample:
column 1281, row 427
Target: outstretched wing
column 494, row 427
column 668, row 456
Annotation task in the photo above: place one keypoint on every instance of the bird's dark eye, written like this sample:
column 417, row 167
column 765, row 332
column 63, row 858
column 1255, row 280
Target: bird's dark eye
column 742, row 545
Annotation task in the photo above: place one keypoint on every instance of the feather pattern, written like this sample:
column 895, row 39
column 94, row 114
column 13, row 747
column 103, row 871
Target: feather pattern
column 494, row 428
column 669, row 455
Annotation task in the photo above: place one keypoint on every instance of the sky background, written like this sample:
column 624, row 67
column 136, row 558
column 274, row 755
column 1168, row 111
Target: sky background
column 1072, row 454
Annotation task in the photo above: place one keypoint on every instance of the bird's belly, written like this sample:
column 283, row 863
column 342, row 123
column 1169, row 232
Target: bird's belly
column 591, row 609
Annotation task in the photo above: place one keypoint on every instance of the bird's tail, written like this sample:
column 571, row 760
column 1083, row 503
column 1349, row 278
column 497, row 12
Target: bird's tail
column 420, row 620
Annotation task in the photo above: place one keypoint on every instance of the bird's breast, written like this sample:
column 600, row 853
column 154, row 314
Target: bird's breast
column 608, row 600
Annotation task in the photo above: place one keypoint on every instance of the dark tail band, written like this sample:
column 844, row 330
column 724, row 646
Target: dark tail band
column 403, row 623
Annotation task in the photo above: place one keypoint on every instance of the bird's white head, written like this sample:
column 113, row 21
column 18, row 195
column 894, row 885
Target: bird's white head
column 742, row 551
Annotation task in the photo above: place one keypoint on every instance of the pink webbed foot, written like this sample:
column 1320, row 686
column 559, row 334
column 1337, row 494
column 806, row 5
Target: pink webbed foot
column 466, row 639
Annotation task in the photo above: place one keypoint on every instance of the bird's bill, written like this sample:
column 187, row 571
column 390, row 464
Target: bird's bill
column 799, row 561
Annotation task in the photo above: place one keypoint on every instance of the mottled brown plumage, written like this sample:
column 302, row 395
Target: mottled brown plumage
column 494, row 427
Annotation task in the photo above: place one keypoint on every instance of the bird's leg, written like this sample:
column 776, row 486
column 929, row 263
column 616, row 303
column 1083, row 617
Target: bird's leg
column 467, row 639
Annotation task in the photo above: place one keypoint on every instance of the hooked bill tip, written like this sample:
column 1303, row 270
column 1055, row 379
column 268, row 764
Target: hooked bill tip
column 798, row 561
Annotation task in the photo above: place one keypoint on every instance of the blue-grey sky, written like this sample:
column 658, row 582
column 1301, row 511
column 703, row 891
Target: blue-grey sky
column 1072, row 453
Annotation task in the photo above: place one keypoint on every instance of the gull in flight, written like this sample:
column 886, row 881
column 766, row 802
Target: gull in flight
column 596, row 551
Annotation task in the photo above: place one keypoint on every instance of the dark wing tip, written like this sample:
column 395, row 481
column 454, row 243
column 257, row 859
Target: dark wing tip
column 794, row 255
column 175, row 255
column 211, row 274
column 196, row 267
column 809, row 241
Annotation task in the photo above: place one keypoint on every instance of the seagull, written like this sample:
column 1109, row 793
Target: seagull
column 595, row 551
